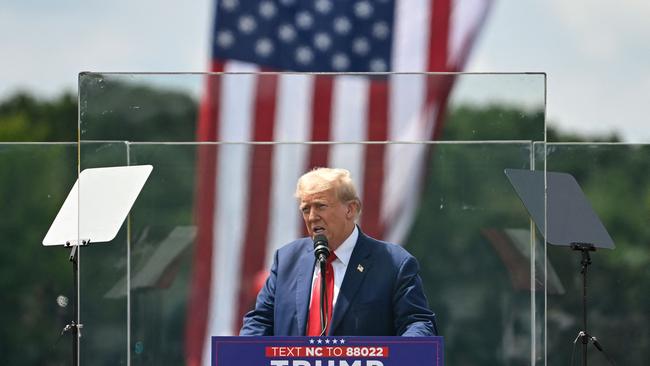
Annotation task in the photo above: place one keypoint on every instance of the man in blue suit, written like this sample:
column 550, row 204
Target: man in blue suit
column 377, row 290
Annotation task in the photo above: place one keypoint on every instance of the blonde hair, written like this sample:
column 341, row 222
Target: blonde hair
column 322, row 179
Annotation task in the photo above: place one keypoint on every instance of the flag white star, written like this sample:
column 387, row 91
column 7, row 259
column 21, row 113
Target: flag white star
column 304, row 20
column 360, row 46
column 380, row 30
column 304, row 55
column 247, row 24
column 323, row 6
column 286, row 32
column 342, row 25
column 340, row 62
column 377, row 65
column 225, row 38
column 267, row 9
column 264, row 47
column 363, row 9
column 322, row 41
column 229, row 5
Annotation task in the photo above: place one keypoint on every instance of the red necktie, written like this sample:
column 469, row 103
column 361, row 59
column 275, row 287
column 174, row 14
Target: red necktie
column 314, row 326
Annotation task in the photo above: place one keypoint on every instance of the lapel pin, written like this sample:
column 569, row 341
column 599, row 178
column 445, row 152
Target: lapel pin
column 360, row 268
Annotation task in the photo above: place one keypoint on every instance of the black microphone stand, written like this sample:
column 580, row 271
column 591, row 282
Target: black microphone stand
column 322, row 251
column 322, row 261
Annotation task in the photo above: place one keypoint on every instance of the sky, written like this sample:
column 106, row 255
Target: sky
column 596, row 54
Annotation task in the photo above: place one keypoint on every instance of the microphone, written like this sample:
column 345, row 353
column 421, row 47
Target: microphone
column 321, row 247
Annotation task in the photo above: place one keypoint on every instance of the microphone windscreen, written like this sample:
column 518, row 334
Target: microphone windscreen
column 320, row 239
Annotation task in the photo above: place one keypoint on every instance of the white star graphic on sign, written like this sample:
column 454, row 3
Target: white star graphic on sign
column 327, row 341
column 342, row 341
column 311, row 341
column 335, row 341
column 319, row 341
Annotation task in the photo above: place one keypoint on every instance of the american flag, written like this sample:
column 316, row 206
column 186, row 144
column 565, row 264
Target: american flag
column 245, row 208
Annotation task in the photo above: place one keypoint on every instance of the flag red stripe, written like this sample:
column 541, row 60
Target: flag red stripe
column 205, row 203
column 445, row 86
column 259, row 193
column 373, row 179
column 438, row 87
column 439, row 35
column 437, row 90
column 321, row 120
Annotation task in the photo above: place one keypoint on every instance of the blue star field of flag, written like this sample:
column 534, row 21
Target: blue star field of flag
column 306, row 35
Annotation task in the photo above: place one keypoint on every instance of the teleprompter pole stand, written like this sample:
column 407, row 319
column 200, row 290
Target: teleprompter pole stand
column 564, row 216
column 107, row 198
column 584, row 335
column 75, row 326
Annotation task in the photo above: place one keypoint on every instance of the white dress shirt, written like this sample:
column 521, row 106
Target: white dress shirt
column 340, row 264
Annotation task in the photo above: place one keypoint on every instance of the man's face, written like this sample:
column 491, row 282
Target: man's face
column 325, row 214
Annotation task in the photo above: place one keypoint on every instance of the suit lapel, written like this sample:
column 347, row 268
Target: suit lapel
column 303, row 288
column 352, row 280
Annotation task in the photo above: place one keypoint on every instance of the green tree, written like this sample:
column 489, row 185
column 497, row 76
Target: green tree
column 23, row 118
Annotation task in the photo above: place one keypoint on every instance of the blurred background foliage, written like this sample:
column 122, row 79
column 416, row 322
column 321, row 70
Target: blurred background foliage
column 467, row 205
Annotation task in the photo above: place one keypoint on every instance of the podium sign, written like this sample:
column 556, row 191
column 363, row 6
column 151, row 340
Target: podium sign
column 327, row 351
